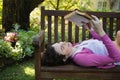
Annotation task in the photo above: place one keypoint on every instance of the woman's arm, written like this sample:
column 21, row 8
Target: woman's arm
column 90, row 60
column 95, row 35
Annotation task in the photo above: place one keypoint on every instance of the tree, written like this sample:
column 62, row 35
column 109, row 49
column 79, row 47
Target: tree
column 68, row 4
column 17, row 11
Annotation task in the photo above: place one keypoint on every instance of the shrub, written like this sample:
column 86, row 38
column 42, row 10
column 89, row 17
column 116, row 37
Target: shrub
column 22, row 48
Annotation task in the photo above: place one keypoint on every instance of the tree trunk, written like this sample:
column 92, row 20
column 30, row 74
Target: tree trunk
column 18, row 11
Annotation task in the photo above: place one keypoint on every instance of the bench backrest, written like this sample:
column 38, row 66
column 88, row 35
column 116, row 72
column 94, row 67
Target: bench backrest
column 58, row 29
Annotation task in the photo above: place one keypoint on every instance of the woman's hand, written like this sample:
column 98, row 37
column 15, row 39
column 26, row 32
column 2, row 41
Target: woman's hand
column 87, row 26
column 96, row 24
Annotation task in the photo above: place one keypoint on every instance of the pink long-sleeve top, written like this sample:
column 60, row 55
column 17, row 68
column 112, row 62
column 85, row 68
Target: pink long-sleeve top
column 102, row 54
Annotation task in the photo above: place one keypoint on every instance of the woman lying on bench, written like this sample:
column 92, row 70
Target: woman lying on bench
column 98, row 52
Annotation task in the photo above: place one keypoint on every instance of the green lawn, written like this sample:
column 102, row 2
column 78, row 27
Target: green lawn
column 21, row 71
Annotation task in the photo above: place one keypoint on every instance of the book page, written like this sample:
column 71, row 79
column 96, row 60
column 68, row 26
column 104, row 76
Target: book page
column 77, row 19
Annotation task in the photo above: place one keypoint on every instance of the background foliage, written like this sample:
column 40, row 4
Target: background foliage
column 0, row 14
column 67, row 4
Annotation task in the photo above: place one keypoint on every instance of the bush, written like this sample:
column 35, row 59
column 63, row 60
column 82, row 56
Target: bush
column 22, row 48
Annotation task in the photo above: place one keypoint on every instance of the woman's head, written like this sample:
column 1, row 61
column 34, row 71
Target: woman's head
column 64, row 48
column 57, row 53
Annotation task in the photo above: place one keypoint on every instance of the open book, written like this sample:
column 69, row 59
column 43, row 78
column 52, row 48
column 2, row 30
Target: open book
column 78, row 17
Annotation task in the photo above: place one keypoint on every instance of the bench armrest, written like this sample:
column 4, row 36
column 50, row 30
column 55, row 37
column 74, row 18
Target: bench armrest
column 38, row 43
column 38, row 39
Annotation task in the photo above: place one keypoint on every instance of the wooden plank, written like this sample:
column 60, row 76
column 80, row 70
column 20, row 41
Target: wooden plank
column 55, row 28
column 82, row 75
column 49, row 29
column 104, row 21
column 62, row 28
column 111, row 28
column 118, row 24
column 76, row 34
column 42, row 18
column 69, row 32
column 83, row 34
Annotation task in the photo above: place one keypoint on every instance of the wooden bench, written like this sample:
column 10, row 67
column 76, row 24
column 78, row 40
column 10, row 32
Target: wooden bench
column 54, row 28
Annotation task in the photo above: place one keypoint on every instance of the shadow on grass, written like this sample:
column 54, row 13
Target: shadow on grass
column 21, row 71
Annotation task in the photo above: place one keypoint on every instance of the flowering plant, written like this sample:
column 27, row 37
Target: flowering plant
column 16, row 45
column 11, row 37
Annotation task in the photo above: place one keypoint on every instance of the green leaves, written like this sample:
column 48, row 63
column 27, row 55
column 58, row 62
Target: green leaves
column 1, row 11
column 5, row 49
column 67, row 4
column 22, row 48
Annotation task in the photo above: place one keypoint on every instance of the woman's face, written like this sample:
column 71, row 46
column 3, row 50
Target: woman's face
column 64, row 48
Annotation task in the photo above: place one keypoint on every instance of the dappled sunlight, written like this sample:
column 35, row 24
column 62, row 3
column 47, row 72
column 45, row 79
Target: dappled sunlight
column 19, row 71
column 29, row 71
column 35, row 18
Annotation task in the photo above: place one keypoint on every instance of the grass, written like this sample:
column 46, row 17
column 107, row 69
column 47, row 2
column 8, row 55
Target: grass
column 21, row 71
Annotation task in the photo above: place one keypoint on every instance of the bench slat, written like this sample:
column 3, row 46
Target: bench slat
column 69, row 32
column 49, row 29
column 118, row 24
column 104, row 20
column 75, row 68
column 76, row 34
column 111, row 28
column 55, row 28
column 62, row 28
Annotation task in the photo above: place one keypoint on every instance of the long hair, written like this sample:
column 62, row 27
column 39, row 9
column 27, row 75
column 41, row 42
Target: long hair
column 52, row 58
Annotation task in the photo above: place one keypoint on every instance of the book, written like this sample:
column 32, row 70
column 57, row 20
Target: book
column 78, row 17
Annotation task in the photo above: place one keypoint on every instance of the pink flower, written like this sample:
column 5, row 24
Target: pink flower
column 11, row 37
